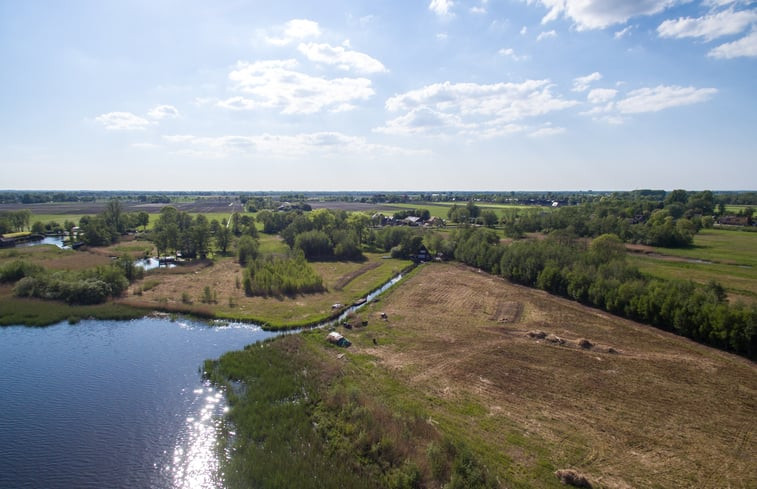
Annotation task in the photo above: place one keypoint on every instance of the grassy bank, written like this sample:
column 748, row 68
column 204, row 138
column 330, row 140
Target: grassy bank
column 307, row 424
column 36, row 312
column 529, row 383
column 182, row 290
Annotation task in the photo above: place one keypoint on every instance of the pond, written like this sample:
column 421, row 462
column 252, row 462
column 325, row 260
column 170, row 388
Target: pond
column 117, row 404
column 112, row 404
column 47, row 240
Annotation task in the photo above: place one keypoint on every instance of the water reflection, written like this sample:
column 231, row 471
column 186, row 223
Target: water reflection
column 196, row 463
column 152, row 263
column 47, row 240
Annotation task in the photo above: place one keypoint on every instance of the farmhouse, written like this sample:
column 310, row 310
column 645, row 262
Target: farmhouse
column 734, row 220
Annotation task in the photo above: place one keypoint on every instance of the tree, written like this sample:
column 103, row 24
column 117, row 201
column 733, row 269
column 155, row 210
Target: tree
column 200, row 235
column 221, row 234
column 247, row 250
column 113, row 216
column 38, row 227
column 314, row 244
column 143, row 219
column 489, row 217
column 606, row 248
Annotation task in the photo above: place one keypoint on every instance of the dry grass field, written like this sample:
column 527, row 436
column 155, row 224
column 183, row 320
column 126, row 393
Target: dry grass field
column 536, row 383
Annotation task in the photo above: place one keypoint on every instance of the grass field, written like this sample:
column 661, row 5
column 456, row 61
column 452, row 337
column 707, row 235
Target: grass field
column 632, row 407
column 728, row 257
column 181, row 290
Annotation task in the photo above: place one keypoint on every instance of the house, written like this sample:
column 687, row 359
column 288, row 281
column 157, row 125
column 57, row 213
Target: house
column 412, row 220
column 434, row 221
column 734, row 220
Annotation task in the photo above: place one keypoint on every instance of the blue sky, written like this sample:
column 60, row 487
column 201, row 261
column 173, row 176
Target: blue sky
column 380, row 95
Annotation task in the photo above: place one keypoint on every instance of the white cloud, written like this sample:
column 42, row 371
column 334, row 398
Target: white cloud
column 598, row 14
column 547, row 131
column 510, row 53
column 469, row 108
column 122, row 121
column 654, row 99
column 441, row 7
column 546, row 35
column 642, row 100
column 523, row 31
column 581, row 84
column 275, row 84
column 622, row 33
column 294, row 30
column 161, row 112
column 601, row 95
column 283, row 146
column 442, row 36
column 709, row 27
column 744, row 47
column 344, row 59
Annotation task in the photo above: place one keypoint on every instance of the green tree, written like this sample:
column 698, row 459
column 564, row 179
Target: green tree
column 247, row 250
column 489, row 217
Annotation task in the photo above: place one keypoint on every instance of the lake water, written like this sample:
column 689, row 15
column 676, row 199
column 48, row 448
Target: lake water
column 109, row 404
column 53, row 240
column 116, row 404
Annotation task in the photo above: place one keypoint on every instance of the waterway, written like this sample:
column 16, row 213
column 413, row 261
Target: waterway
column 116, row 404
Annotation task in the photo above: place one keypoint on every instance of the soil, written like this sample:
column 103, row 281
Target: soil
column 625, row 404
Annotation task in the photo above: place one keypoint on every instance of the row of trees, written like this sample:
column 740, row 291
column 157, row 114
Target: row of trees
column 598, row 275
column 14, row 221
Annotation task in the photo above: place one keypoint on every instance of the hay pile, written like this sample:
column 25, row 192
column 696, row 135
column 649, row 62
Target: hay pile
column 572, row 478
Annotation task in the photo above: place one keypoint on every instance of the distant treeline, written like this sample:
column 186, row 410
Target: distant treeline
column 20, row 197
column 671, row 222
column 598, row 275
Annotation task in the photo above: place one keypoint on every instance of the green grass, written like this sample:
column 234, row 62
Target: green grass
column 732, row 257
column 720, row 245
column 34, row 312
column 312, row 420
column 271, row 244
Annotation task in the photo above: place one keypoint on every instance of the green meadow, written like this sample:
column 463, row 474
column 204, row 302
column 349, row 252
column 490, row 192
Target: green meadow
column 727, row 257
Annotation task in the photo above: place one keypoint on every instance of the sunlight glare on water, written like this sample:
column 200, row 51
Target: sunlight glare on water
column 196, row 463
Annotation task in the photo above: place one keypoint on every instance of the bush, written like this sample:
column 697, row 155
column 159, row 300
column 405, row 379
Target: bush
column 18, row 269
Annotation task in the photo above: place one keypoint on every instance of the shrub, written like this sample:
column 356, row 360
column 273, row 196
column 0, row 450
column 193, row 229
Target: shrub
column 18, row 269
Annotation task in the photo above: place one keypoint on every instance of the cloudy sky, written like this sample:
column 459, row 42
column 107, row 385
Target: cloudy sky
column 378, row 95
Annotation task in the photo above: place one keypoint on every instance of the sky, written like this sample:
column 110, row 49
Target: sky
column 494, row 95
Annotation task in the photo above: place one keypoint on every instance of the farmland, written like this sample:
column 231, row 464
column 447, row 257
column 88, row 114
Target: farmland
column 726, row 256
column 533, row 383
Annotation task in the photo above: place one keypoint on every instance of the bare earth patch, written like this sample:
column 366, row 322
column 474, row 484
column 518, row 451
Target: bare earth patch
column 625, row 405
